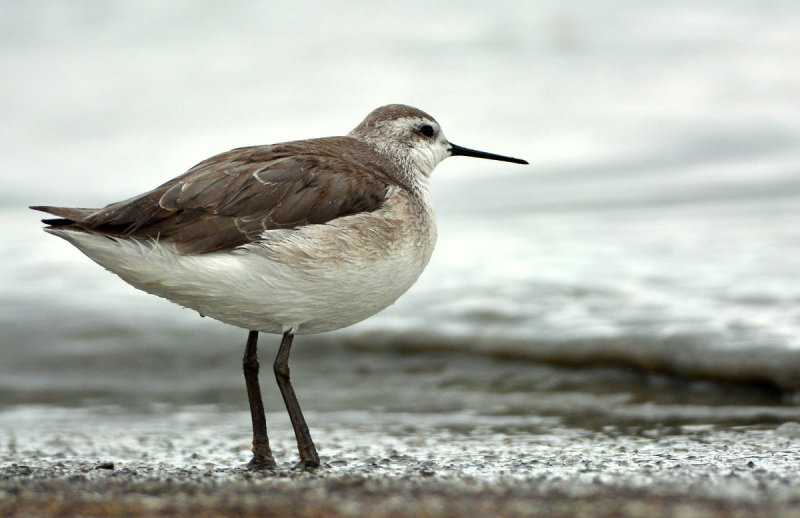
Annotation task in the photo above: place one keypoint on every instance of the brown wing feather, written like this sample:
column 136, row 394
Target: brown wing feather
column 230, row 199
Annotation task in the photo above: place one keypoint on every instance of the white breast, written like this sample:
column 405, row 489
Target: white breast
column 316, row 278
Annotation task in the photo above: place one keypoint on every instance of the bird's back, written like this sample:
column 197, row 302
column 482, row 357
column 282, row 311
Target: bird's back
column 314, row 234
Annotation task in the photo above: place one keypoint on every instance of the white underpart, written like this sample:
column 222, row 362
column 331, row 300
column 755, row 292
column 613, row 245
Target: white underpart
column 316, row 278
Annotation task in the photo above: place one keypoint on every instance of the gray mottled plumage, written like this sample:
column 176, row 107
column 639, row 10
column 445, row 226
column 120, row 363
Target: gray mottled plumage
column 300, row 237
column 228, row 200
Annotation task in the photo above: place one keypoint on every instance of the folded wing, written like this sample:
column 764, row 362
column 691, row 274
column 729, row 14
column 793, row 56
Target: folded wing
column 230, row 199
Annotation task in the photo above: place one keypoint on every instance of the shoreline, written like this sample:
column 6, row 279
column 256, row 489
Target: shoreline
column 190, row 462
column 82, row 489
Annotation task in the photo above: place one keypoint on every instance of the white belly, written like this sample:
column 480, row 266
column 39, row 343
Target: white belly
column 313, row 279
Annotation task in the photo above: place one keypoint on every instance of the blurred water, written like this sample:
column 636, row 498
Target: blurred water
column 656, row 229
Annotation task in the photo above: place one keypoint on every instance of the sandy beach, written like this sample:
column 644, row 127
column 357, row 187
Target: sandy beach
column 611, row 331
column 86, row 490
column 190, row 462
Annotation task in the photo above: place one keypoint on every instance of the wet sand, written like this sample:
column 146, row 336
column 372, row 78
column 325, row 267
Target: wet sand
column 189, row 462
column 86, row 490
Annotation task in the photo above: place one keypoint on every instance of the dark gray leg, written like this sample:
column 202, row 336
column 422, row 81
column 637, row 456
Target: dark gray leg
column 262, row 455
column 308, row 453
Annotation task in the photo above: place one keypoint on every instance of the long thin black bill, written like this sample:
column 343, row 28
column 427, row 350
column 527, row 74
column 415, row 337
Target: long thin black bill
column 463, row 151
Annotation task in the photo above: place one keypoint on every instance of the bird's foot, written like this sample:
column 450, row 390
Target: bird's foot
column 261, row 462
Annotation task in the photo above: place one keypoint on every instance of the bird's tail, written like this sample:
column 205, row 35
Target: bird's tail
column 67, row 215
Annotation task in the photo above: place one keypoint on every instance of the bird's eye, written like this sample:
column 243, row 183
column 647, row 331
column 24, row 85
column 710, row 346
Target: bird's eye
column 426, row 130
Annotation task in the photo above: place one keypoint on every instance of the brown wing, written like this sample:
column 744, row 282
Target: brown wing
column 230, row 199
